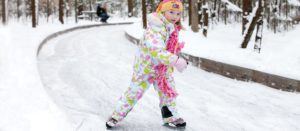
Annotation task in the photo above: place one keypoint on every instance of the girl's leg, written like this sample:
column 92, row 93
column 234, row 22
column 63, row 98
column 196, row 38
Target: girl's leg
column 167, row 104
column 130, row 98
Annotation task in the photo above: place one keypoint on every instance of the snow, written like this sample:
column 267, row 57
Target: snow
column 87, row 77
column 232, row 6
column 294, row 2
column 25, row 105
column 279, row 52
column 75, row 82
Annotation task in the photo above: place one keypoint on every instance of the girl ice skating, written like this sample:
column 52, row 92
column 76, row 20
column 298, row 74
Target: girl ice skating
column 154, row 65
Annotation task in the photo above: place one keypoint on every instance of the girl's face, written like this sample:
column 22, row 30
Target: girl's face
column 172, row 16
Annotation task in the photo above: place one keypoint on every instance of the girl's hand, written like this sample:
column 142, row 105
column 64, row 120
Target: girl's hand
column 181, row 64
column 181, row 44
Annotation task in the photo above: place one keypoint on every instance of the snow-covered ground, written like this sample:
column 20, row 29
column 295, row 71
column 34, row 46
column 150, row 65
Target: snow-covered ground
column 24, row 103
column 75, row 82
column 279, row 53
column 85, row 72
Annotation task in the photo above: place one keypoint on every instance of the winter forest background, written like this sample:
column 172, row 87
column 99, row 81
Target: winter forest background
column 278, row 15
column 58, row 75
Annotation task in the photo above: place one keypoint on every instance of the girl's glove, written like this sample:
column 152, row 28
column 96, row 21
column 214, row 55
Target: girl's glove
column 180, row 64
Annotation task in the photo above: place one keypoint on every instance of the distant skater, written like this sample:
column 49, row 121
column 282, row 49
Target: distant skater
column 102, row 13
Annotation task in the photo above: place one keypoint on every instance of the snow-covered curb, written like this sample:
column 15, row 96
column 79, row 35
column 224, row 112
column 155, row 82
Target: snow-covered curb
column 62, row 123
column 54, row 35
column 236, row 72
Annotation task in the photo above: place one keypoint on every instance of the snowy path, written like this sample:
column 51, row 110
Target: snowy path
column 86, row 71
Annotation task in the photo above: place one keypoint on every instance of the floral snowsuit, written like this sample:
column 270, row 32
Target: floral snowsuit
column 151, row 53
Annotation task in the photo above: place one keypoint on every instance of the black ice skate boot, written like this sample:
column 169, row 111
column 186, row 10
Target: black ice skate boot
column 178, row 123
column 111, row 122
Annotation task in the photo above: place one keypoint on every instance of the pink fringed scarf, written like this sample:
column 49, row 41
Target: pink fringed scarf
column 174, row 47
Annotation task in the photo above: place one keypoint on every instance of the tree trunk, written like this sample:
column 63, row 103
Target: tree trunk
column 61, row 11
column 275, row 14
column 130, row 8
column 27, row 9
column 194, row 16
column 205, row 17
column 144, row 14
column 259, row 27
column 135, row 10
column 286, row 9
column 33, row 13
column 90, row 4
column 225, row 14
column 18, row 9
column 190, row 12
column 279, row 7
column 76, row 13
column 213, row 14
column 152, row 5
column 200, row 12
column 251, row 27
column 247, row 9
column 67, row 8
column 91, row 8
column 3, row 12
column 219, row 10
column 268, row 13
column 48, row 10
column 183, row 11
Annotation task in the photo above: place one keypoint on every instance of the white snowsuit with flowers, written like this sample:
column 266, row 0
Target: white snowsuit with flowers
column 151, row 53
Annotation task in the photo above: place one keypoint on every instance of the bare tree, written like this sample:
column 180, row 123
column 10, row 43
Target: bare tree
column 190, row 12
column 247, row 9
column 214, row 11
column 183, row 11
column 225, row 13
column 205, row 17
column 135, row 9
column 90, row 4
column 67, row 8
column 286, row 9
column 153, row 5
column 144, row 14
column 252, row 25
column 48, row 9
column 76, row 9
column 200, row 12
column 275, row 14
column 130, row 8
column 194, row 16
column 18, row 9
column 259, row 27
column 219, row 10
column 61, row 11
column 3, row 12
column 33, row 13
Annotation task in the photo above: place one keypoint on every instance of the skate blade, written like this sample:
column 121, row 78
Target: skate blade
column 182, row 128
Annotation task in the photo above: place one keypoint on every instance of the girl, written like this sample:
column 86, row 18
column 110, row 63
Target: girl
column 154, row 64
